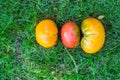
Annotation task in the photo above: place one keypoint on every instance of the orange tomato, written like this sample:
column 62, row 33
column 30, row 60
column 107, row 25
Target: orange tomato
column 46, row 33
column 93, row 35
column 70, row 35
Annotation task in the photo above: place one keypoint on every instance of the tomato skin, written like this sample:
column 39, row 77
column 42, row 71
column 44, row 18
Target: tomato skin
column 70, row 35
column 94, row 35
column 46, row 33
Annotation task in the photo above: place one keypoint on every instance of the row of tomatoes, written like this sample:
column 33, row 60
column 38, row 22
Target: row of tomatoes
column 92, row 30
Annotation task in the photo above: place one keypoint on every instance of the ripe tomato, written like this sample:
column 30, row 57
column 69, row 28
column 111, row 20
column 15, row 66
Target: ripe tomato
column 46, row 33
column 93, row 35
column 70, row 35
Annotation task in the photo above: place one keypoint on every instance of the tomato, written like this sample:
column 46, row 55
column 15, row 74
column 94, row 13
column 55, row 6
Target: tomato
column 46, row 33
column 70, row 35
column 93, row 35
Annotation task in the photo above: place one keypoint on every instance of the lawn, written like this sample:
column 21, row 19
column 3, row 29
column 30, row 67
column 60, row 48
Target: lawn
column 22, row 58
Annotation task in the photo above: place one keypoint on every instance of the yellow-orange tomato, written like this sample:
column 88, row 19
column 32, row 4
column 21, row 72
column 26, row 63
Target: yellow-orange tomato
column 46, row 33
column 93, row 35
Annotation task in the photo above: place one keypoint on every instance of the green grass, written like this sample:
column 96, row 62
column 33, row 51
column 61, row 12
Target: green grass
column 21, row 58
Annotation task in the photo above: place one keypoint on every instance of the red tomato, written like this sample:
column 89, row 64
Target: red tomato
column 70, row 35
